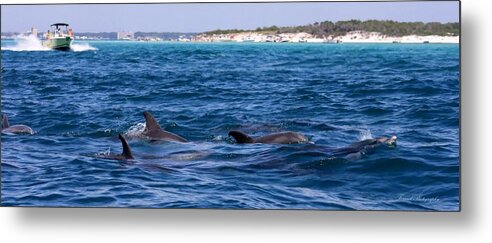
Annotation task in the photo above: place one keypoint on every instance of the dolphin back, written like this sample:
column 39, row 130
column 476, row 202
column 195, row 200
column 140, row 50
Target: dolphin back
column 150, row 123
column 154, row 131
column 127, row 152
column 241, row 137
column 5, row 121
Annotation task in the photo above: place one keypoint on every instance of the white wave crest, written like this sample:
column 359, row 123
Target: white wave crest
column 26, row 43
column 82, row 47
column 135, row 130
column 365, row 134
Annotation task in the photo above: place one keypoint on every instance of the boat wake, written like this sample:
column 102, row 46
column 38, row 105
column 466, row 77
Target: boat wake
column 32, row 43
column 82, row 47
column 26, row 43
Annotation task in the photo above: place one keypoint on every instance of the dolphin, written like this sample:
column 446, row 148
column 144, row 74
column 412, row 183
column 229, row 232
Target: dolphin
column 125, row 155
column 14, row 129
column 277, row 138
column 357, row 149
column 154, row 132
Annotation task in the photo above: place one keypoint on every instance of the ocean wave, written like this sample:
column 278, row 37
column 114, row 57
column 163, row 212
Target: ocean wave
column 82, row 47
column 26, row 43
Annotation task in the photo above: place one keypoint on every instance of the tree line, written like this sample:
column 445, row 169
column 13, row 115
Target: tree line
column 385, row 27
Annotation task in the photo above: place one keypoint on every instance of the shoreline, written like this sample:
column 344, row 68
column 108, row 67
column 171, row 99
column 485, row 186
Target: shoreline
column 350, row 37
column 233, row 42
column 300, row 37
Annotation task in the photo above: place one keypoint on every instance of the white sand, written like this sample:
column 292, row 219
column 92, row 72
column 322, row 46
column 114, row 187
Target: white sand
column 375, row 37
column 350, row 37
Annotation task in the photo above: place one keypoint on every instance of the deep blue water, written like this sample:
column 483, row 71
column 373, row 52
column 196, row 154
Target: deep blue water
column 335, row 94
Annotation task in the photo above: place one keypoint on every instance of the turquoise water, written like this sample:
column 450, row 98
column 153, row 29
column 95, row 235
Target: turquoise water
column 335, row 94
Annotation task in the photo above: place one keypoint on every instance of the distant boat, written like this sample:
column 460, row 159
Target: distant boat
column 58, row 38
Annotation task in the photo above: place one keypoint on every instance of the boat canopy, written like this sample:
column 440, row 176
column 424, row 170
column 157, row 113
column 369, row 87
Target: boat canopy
column 59, row 24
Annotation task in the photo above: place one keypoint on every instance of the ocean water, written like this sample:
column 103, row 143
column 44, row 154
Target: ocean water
column 335, row 94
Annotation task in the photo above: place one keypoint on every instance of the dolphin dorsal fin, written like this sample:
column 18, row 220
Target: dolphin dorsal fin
column 150, row 123
column 127, row 152
column 241, row 137
column 5, row 121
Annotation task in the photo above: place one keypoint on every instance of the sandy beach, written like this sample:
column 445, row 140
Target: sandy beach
column 302, row 37
column 375, row 37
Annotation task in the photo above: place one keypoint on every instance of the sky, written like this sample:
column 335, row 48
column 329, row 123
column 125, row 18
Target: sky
column 194, row 17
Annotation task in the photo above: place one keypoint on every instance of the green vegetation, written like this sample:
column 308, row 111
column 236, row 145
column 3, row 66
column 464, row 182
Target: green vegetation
column 386, row 27
column 219, row 31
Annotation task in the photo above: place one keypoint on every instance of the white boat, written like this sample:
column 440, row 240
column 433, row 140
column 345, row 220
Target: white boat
column 58, row 38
